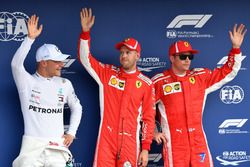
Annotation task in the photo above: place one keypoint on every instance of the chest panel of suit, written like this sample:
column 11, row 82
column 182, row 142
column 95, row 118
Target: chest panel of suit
column 124, row 98
column 182, row 97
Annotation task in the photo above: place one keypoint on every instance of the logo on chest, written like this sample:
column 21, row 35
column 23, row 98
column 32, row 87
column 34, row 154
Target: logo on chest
column 192, row 80
column 138, row 84
column 35, row 96
column 60, row 96
column 170, row 88
column 116, row 83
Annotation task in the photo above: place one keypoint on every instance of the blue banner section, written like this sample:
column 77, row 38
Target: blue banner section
column 155, row 24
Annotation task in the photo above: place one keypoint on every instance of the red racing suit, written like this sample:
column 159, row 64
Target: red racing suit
column 125, row 101
column 181, row 101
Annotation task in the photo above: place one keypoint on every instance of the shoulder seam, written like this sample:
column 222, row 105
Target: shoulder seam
column 157, row 76
column 145, row 79
column 159, row 79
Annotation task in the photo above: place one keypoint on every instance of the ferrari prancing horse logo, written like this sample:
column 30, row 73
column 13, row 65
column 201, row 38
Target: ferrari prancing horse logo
column 192, row 80
column 138, row 84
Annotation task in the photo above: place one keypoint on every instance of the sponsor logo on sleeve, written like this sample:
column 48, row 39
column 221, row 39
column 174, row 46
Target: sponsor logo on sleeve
column 223, row 60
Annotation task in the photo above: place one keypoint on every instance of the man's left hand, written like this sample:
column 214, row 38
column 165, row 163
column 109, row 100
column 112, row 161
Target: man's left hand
column 143, row 159
column 68, row 139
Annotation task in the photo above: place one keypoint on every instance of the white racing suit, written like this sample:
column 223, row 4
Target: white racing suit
column 42, row 102
column 39, row 152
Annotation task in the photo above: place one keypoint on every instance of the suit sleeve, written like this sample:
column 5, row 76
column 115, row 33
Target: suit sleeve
column 75, row 109
column 157, row 91
column 94, row 67
column 20, row 75
column 220, row 76
column 148, row 117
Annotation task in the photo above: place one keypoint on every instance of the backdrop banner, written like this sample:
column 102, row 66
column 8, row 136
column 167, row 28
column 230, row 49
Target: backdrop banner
column 155, row 24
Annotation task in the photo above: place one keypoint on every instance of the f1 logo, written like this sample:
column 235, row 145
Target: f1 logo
column 67, row 63
column 233, row 122
column 197, row 20
column 154, row 157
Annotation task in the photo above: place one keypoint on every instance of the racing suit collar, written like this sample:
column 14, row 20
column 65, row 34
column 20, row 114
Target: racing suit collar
column 38, row 76
column 124, row 74
column 179, row 78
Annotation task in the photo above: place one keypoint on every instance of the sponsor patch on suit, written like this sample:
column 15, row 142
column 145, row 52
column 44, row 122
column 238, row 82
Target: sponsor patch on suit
column 116, row 83
column 170, row 88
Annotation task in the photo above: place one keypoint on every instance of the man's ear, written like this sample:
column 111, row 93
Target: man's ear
column 43, row 63
column 171, row 58
column 138, row 56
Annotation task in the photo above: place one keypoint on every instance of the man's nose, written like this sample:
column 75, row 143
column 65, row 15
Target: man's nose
column 187, row 59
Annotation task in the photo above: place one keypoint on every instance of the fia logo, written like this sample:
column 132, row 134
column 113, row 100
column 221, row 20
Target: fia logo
column 231, row 94
column 13, row 26
column 171, row 34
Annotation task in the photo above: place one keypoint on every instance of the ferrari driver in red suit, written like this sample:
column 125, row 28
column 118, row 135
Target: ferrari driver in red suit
column 180, row 96
column 126, row 99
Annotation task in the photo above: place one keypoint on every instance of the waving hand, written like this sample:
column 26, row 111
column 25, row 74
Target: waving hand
column 87, row 20
column 33, row 30
column 237, row 35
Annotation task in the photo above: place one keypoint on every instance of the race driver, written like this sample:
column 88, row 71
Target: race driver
column 126, row 99
column 43, row 96
column 180, row 98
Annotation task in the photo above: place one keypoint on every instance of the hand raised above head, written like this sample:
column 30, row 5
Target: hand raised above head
column 87, row 20
column 33, row 30
column 237, row 35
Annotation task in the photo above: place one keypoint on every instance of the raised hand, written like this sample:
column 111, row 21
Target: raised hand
column 87, row 20
column 237, row 35
column 33, row 30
